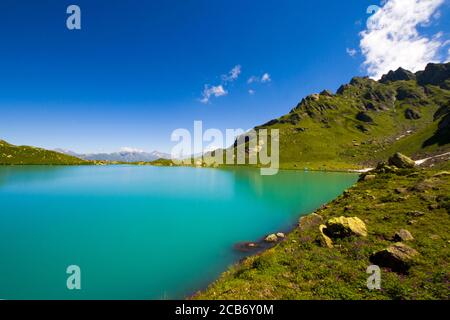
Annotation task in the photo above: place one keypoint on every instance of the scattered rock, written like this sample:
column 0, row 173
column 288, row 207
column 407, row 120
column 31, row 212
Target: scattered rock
column 310, row 221
column 401, row 161
column 441, row 174
column 313, row 97
column 415, row 213
column 411, row 114
column 281, row 235
column 434, row 206
column 327, row 93
column 246, row 246
column 401, row 190
column 403, row 235
column 364, row 117
column 383, row 167
column 444, row 202
column 362, row 128
column 424, row 185
column 369, row 177
column 413, row 174
column 271, row 238
column 434, row 237
column 325, row 240
column 411, row 222
column 399, row 257
column 344, row 227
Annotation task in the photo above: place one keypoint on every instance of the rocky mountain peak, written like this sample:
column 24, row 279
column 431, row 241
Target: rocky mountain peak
column 398, row 75
column 437, row 74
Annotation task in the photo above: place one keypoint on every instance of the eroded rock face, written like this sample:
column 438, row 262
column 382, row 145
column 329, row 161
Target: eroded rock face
column 435, row 74
column 399, row 257
column 345, row 227
column 401, row 161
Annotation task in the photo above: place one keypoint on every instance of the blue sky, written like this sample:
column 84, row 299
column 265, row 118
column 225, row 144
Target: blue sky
column 137, row 69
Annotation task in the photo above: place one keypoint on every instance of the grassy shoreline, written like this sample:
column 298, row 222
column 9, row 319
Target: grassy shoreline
column 302, row 267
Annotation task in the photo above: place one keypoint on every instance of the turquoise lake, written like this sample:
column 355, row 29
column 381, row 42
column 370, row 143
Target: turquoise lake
column 141, row 232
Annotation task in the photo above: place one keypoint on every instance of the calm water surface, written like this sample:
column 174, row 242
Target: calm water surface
column 140, row 232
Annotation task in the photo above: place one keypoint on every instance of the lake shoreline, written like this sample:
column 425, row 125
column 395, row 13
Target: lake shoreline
column 266, row 246
column 303, row 267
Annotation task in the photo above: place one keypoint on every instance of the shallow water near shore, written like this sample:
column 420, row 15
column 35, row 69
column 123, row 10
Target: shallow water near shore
column 140, row 232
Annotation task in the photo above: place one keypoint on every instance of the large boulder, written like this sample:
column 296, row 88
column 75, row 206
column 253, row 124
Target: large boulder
column 271, row 238
column 401, row 161
column 403, row 235
column 344, row 227
column 398, row 257
column 310, row 221
column 281, row 235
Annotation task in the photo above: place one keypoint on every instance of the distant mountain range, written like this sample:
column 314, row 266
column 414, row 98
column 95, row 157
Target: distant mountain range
column 121, row 156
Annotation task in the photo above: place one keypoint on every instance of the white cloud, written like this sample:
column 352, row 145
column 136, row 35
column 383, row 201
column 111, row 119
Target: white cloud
column 219, row 90
column 392, row 40
column 266, row 78
column 232, row 75
column 251, row 92
column 128, row 149
column 253, row 79
column 212, row 91
column 351, row 52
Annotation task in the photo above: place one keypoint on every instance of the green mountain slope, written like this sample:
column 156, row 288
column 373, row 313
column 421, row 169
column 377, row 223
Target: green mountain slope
column 367, row 120
column 18, row 155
